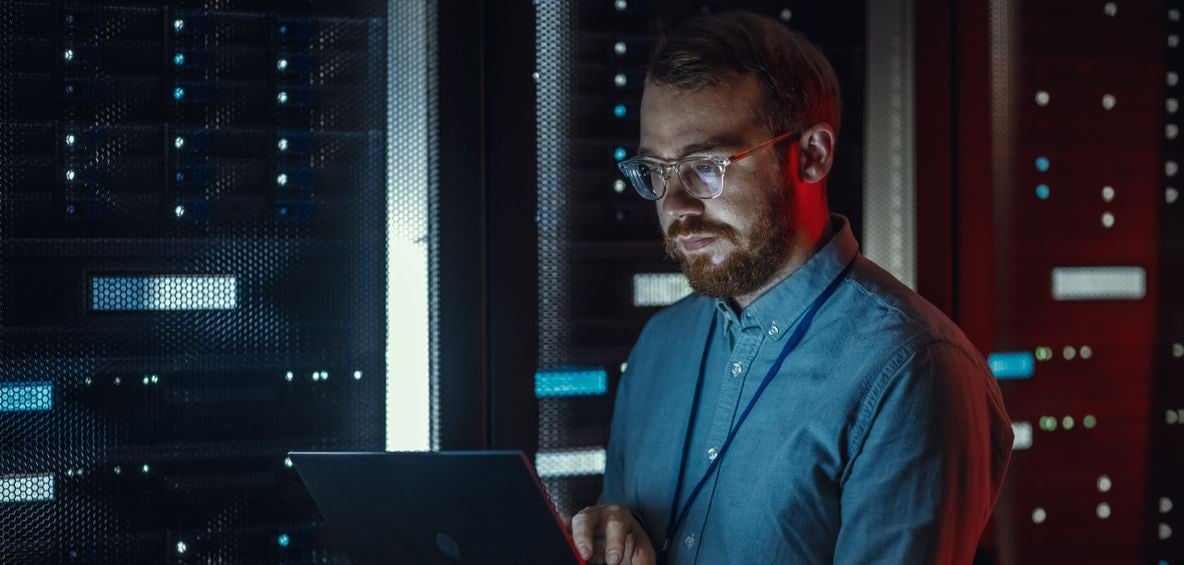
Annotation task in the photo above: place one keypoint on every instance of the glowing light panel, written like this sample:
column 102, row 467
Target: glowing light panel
column 1012, row 365
column 659, row 289
column 166, row 292
column 570, row 382
column 1099, row 283
column 26, row 488
column 26, row 397
column 570, row 463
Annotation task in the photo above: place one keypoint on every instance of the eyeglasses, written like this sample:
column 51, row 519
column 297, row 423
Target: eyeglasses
column 702, row 175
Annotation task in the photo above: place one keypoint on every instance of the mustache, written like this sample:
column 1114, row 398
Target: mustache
column 696, row 225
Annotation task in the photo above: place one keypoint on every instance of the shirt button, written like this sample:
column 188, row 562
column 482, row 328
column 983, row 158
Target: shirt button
column 773, row 329
column 737, row 368
column 689, row 541
column 712, row 453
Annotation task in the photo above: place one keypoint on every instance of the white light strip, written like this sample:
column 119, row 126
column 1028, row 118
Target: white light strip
column 27, row 488
column 570, row 463
column 1022, row 432
column 165, row 292
column 659, row 289
column 408, row 349
column 1099, row 283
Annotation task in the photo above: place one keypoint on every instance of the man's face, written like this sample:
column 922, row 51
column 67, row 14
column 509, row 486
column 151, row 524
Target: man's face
column 733, row 244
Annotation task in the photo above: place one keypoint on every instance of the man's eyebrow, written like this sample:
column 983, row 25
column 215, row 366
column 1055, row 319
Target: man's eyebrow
column 699, row 147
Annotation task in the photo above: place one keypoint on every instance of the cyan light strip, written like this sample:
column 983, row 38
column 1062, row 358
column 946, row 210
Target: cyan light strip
column 1012, row 365
column 26, row 397
column 570, row 463
column 659, row 289
column 1099, row 283
column 26, row 488
column 166, row 292
column 570, row 382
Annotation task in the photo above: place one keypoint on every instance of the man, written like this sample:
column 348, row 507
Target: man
column 803, row 406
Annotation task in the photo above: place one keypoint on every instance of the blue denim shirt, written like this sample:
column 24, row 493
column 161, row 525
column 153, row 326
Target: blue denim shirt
column 882, row 439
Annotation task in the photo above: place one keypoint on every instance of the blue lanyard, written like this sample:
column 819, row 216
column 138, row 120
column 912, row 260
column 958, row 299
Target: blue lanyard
column 790, row 344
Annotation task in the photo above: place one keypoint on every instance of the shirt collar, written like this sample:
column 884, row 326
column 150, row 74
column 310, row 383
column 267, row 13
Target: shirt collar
column 776, row 310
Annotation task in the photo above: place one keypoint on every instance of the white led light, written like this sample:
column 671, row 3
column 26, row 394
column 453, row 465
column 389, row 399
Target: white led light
column 281, row 64
column 620, row 80
column 282, row 97
column 70, row 139
column 178, row 24
column 535, row 76
column 1170, row 131
column 1042, row 98
column 1108, row 193
column 145, row 469
column 1103, row 511
column 570, row 463
column 281, row 179
column 1111, row 9
column 1170, row 195
column 1173, row 40
column 1039, row 515
column 1174, row 15
column 70, row 175
column 1171, row 105
column 179, row 211
column 1165, row 505
column 624, row 367
column 1171, row 418
column 288, row 462
column 786, row 15
column 1086, row 352
column 621, row 5
column 1178, row 350
column 357, row 375
column 619, row 186
column 1170, row 168
column 1069, row 352
column 179, row 142
column 182, row 548
column 282, row 144
column 620, row 48
column 1104, row 483
column 1108, row 101
column 1021, row 435
column 68, row 55
column 1165, row 531
column 289, row 376
column 1107, row 220
column 1173, row 78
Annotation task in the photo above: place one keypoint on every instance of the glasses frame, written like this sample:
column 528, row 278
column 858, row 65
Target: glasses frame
column 665, row 168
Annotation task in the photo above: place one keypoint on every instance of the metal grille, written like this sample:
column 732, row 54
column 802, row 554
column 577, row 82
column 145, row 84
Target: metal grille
column 190, row 273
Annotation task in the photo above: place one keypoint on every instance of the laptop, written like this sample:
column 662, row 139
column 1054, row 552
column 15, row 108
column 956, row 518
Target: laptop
column 428, row 508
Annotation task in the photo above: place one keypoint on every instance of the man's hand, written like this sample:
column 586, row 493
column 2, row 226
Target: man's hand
column 611, row 535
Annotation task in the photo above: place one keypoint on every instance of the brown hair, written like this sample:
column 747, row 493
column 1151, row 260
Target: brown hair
column 800, row 88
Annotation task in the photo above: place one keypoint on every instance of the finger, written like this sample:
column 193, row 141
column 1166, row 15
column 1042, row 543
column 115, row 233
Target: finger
column 615, row 530
column 630, row 548
column 644, row 554
column 583, row 524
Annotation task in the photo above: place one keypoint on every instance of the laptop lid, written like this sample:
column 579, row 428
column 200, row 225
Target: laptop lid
column 428, row 508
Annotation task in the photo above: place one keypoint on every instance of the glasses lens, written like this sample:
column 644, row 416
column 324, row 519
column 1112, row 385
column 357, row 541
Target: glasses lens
column 643, row 177
column 703, row 178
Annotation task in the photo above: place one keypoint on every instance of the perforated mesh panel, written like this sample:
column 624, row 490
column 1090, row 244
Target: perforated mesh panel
column 192, row 268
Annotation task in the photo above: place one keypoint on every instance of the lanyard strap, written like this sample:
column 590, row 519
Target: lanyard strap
column 678, row 516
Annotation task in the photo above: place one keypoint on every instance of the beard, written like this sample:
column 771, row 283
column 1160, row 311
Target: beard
column 756, row 258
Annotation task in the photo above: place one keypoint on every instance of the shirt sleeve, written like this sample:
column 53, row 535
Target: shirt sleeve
column 613, row 491
column 933, row 445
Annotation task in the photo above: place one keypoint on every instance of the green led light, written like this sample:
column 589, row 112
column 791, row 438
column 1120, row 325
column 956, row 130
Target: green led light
column 1089, row 421
column 1048, row 423
column 1067, row 422
column 1043, row 353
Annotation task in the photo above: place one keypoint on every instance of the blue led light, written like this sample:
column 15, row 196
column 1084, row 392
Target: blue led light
column 1042, row 164
column 576, row 381
column 26, row 397
column 620, row 154
column 1042, row 191
column 620, row 110
column 1012, row 365
column 178, row 93
column 179, row 59
column 283, row 540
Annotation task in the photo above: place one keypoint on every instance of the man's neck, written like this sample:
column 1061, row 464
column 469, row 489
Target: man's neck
column 805, row 243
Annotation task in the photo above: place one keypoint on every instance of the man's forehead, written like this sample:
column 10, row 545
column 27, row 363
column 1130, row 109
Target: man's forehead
column 676, row 122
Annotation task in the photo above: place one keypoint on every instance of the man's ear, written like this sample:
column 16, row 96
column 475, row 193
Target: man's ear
column 817, row 148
